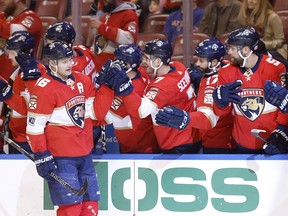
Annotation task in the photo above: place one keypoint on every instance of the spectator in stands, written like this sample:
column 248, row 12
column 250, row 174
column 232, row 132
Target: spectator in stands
column 12, row 19
column 142, row 11
column 174, row 23
column 220, row 17
column 154, row 7
column 118, row 26
column 268, row 24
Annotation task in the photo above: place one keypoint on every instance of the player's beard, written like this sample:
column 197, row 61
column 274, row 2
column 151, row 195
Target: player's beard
column 236, row 62
column 10, row 9
column 109, row 7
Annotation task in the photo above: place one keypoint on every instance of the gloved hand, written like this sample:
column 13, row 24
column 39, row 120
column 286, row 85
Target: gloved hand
column 116, row 78
column 277, row 143
column 45, row 164
column 28, row 65
column 171, row 116
column 227, row 93
column 5, row 90
column 276, row 95
column 195, row 76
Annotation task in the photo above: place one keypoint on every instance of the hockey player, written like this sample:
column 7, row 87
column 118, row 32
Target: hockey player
column 83, row 60
column 171, row 86
column 83, row 57
column 19, row 49
column 215, row 132
column 15, row 16
column 251, row 111
column 133, row 134
column 119, row 25
column 59, row 132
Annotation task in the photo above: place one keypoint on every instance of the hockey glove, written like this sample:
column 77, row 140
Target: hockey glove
column 28, row 65
column 101, row 76
column 277, row 143
column 171, row 116
column 227, row 93
column 45, row 164
column 195, row 76
column 276, row 95
column 5, row 90
column 118, row 80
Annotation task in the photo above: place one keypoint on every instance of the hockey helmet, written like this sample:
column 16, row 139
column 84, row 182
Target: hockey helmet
column 57, row 50
column 21, row 41
column 210, row 48
column 246, row 36
column 61, row 31
column 129, row 53
column 159, row 48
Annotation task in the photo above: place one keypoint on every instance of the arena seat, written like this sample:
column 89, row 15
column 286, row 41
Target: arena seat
column 86, row 30
column 144, row 38
column 56, row 8
column 154, row 23
column 195, row 39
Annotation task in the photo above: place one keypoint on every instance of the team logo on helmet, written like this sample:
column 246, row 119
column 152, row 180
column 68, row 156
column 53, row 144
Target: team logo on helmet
column 59, row 28
column 75, row 108
column 215, row 47
column 253, row 103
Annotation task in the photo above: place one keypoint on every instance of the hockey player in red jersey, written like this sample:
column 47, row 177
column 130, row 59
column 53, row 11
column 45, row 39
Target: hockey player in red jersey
column 119, row 25
column 134, row 135
column 241, row 91
column 16, row 17
column 60, row 132
column 19, row 49
column 215, row 132
column 83, row 60
column 83, row 57
column 170, row 86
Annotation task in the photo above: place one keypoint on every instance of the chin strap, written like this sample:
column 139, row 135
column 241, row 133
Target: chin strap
column 155, row 68
column 214, row 69
column 244, row 58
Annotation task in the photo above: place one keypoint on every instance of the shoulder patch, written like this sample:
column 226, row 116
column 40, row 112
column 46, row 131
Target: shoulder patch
column 152, row 93
column 33, row 102
column 28, row 21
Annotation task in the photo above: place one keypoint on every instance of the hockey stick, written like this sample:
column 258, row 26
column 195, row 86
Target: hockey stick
column 256, row 133
column 79, row 192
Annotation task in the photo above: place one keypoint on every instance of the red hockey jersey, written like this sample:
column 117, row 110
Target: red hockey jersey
column 118, row 27
column 133, row 134
column 83, row 61
column 28, row 20
column 173, row 88
column 215, row 132
column 17, row 123
column 58, row 115
column 254, row 111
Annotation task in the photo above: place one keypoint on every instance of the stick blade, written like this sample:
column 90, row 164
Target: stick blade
column 83, row 189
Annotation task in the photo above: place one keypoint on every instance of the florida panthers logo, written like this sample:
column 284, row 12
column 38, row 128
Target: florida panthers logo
column 252, row 104
column 100, row 44
column 76, row 110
